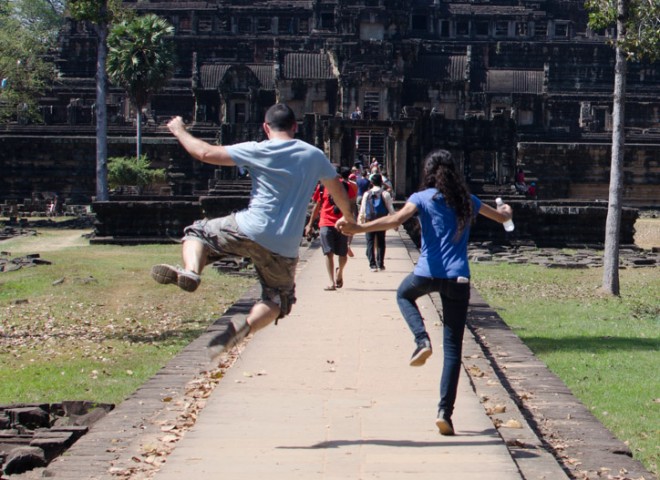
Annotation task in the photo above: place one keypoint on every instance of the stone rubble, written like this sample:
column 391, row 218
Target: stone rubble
column 575, row 256
column 32, row 435
column 12, row 264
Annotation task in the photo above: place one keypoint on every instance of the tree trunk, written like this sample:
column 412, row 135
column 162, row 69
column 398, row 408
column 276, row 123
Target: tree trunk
column 613, row 223
column 138, row 138
column 101, row 108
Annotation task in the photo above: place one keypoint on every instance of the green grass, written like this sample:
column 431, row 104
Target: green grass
column 604, row 348
column 93, row 325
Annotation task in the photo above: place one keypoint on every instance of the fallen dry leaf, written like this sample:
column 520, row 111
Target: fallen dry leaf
column 519, row 444
column 496, row 409
column 512, row 423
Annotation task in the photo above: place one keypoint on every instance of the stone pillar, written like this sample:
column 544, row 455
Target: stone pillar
column 398, row 172
column 344, row 97
column 335, row 134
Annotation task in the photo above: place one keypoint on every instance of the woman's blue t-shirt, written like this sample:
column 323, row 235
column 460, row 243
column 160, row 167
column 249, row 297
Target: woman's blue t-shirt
column 442, row 254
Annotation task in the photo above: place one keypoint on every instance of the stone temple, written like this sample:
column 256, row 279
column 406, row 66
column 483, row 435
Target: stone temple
column 503, row 84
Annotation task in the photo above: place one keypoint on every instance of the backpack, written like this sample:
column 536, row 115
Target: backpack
column 375, row 207
column 331, row 201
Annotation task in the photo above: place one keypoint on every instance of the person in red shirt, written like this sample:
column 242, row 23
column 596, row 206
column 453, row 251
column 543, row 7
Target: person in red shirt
column 332, row 241
column 531, row 191
column 521, row 186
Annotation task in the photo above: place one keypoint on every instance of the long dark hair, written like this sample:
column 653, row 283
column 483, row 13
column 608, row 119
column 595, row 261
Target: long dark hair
column 440, row 172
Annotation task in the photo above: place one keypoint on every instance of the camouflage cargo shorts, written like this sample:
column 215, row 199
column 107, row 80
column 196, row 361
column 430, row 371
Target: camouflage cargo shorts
column 276, row 273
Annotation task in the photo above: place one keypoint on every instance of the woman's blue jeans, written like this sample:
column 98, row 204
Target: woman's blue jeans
column 455, row 300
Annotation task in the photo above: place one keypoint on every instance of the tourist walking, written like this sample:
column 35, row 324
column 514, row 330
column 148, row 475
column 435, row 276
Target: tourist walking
column 363, row 185
column 333, row 242
column 376, row 203
column 284, row 172
column 445, row 211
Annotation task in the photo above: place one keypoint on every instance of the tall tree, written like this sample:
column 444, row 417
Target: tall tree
column 141, row 60
column 637, row 24
column 99, row 13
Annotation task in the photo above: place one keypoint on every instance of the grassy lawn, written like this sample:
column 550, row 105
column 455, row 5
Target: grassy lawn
column 93, row 325
column 606, row 350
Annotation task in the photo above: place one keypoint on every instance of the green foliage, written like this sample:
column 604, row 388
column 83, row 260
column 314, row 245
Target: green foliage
column 27, row 31
column 133, row 171
column 141, row 56
column 602, row 14
column 90, row 10
column 93, row 11
column 642, row 22
column 44, row 16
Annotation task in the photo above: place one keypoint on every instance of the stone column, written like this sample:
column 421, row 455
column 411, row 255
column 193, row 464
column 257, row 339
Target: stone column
column 335, row 134
column 398, row 173
column 344, row 96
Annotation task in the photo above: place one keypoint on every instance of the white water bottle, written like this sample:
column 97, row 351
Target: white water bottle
column 508, row 225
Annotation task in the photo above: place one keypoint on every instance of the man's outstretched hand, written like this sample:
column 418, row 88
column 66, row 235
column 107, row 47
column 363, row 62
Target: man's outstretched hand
column 176, row 125
column 347, row 227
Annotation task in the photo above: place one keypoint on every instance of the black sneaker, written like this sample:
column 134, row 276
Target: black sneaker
column 421, row 353
column 226, row 339
column 444, row 424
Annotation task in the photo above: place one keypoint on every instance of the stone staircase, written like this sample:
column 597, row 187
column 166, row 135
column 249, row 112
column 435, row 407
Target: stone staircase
column 371, row 143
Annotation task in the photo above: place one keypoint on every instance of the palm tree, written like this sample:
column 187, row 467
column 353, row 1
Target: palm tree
column 141, row 60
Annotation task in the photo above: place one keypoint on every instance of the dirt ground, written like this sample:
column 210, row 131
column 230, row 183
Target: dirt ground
column 647, row 232
column 48, row 243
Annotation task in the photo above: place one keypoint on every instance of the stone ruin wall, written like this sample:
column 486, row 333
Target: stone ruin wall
column 581, row 171
column 562, row 170
column 66, row 165
column 533, row 90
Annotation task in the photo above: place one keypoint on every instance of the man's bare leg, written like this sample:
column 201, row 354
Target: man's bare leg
column 195, row 255
column 343, row 260
column 330, row 267
column 262, row 314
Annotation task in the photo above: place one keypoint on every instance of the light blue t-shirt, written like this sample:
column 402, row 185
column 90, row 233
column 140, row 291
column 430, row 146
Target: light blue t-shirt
column 284, row 174
column 442, row 254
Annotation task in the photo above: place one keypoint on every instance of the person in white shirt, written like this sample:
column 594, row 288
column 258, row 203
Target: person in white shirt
column 376, row 203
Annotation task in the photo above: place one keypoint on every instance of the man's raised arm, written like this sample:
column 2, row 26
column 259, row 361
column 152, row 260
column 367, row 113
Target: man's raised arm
column 199, row 149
